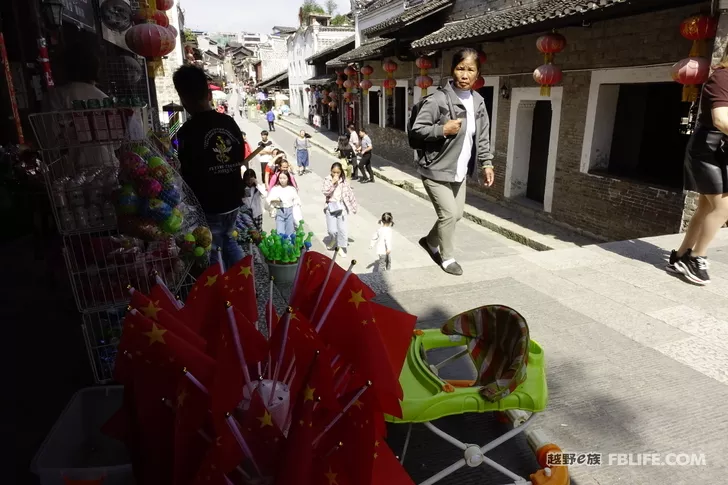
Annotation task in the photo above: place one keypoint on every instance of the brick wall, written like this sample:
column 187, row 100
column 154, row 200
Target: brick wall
column 609, row 207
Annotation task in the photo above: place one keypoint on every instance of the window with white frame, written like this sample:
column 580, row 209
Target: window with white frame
column 374, row 106
column 635, row 126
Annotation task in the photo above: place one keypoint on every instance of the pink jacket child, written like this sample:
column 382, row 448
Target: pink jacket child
column 347, row 194
column 274, row 179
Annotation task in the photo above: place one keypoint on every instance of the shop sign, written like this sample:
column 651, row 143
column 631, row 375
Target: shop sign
column 81, row 13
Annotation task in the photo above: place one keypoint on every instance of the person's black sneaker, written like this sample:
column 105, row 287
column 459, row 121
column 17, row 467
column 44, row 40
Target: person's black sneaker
column 695, row 269
column 435, row 256
column 453, row 268
column 672, row 266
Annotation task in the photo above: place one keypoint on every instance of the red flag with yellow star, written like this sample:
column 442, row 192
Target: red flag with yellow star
column 396, row 329
column 238, row 287
column 329, row 467
column 310, row 281
column 204, row 304
column 227, row 388
column 387, row 469
column 160, row 294
column 191, row 414
column 262, row 434
column 152, row 309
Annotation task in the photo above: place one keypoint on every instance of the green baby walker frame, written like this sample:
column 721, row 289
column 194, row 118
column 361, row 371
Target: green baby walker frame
column 511, row 381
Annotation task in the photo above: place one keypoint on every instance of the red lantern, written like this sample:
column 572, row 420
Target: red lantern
column 347, row 97
column 698, row 28
column 308, row 90
column 423, row 63
column 551, row 43
column 325, row 93
column 348, row 84
column 172, row 29
column 339, row 82
column 423, row 82
column 390, row 66
column 366, row 85
column 691, row 73
column 151, row 41
column 389, row 84
column 479, row 83
column 332, row 95
column 367, row 70
column 332, row 105
column 165, row 4
column 160, row 18
column 482, row 57
column 547, row 76
column 349, row 71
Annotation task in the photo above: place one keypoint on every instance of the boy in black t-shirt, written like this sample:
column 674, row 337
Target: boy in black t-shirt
column 210, row 154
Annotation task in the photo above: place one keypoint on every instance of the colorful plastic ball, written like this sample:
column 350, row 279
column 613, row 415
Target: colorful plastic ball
column 163, row 173
column 148, row 187
column 235, row 234
column 128, row 204
column 159, row 210
column 199, row 251
column 155, row 162
column 127, row 189
column 142, row 151
column 132, row 166
column 203, row 236
column 189, row 238
column 172, row 224
column 171, row 195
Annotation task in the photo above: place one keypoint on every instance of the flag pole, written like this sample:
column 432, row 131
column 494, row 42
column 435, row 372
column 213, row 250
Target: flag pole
column 298, row 273
column 233, row 425
column 343, row 411
column 194, row 381
column 317, row 399
column 252, row 269
column 207, row 438
column 344, row 375
column 279, row 364
column 232, row 322
column 332, row 302
column 326, row 282
column 290, row 368
column 219, row 260
column 165, row 289
column 270, row 304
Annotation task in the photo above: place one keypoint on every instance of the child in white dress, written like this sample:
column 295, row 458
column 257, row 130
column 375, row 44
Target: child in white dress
column 383, row 241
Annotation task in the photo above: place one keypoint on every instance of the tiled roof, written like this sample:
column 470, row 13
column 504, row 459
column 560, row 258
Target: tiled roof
column 336, row 28
column 510, row 18
column 377, row 4
column 274, row 79
column 409, row 16
column 373, row 47
column 331, row 49
column 320, row 80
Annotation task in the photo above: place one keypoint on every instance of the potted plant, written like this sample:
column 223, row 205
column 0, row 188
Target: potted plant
column 282, row 252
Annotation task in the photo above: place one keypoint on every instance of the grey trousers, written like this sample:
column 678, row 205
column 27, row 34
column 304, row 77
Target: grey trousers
column 448, row 198
column 336, row 227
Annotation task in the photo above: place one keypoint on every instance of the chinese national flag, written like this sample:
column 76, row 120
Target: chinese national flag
column 238, row 287
column 396, row 329
column 153, row 309
column 227, row 388
column 329, row 468
column 190, row 446
column 387, row 468
column 310, row 281
column 261, row 433
column 204, row 304
column 161, row 294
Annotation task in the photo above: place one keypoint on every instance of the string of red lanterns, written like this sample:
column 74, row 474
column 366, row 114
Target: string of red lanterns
column 423, row 81
column 366, row 84
column 548, row 74
column 694, row 70
column 389, row 84
column 150, row 37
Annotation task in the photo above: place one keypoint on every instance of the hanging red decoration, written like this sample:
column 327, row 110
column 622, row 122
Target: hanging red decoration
column 423, row 82
column 339, row 82
column 691, row 73
column 389, row 83
column 366, row 85
column 367, row 70
column 479, row 83
column 348, row 84
column 549, row 45
column 160, row 18
column 698, row 29
column 547, row 76
column 308, row 90
column 390, row 66
column 332, row 95
column 151, row 41
column 164, row 4
column 423, row 64
column 325, row 93
column 172, row 29
column 332, row 105
column 349, row 71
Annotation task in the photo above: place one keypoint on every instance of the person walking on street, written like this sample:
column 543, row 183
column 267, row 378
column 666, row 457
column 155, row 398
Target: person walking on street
column 345, row 154
column 271, row 117
column 266, row 154
column 706, row 172
column 365, row 149
column 302, row 146
column 210, row 154
column 453, row 148
column 340, row 203
column 383, row 241
column 354, row 145
column 284, row 199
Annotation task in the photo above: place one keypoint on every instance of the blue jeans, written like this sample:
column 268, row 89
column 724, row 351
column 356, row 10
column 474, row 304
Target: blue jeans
column 222, row 227
column 284, row 221
column 337, row 228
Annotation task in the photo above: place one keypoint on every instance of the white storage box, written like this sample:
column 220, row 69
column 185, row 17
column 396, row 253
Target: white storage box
column 76, row 448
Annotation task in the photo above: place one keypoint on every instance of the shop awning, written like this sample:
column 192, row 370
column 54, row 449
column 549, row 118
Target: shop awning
column 275, row 79
column 503, row 20
column 320, row 80
column 372, row 49
column 410, row 16
column 332, row 51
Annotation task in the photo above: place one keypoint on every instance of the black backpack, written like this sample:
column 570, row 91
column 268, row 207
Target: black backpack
column 415, row 142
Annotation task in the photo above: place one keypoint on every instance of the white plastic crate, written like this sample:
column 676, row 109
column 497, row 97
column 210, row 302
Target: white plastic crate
column 76, row 448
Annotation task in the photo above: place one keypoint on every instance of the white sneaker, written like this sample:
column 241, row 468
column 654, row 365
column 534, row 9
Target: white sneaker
column 343, row 253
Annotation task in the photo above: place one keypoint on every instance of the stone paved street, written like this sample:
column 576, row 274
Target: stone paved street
column 637, row 359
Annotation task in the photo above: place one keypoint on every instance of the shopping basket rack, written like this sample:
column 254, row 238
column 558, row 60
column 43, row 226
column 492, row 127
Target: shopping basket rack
column 511, row 381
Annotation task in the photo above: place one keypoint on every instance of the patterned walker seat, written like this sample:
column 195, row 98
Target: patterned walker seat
column 511, row 379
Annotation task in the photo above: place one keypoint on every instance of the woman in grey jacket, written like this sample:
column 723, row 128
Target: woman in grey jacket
column 454, row 126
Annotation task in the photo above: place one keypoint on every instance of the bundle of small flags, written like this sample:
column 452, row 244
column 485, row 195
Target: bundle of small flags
column 208, row 399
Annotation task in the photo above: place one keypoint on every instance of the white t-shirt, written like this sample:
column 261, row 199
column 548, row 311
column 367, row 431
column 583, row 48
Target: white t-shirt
column 288, row 196
column 464, row 159
column 383, row 240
